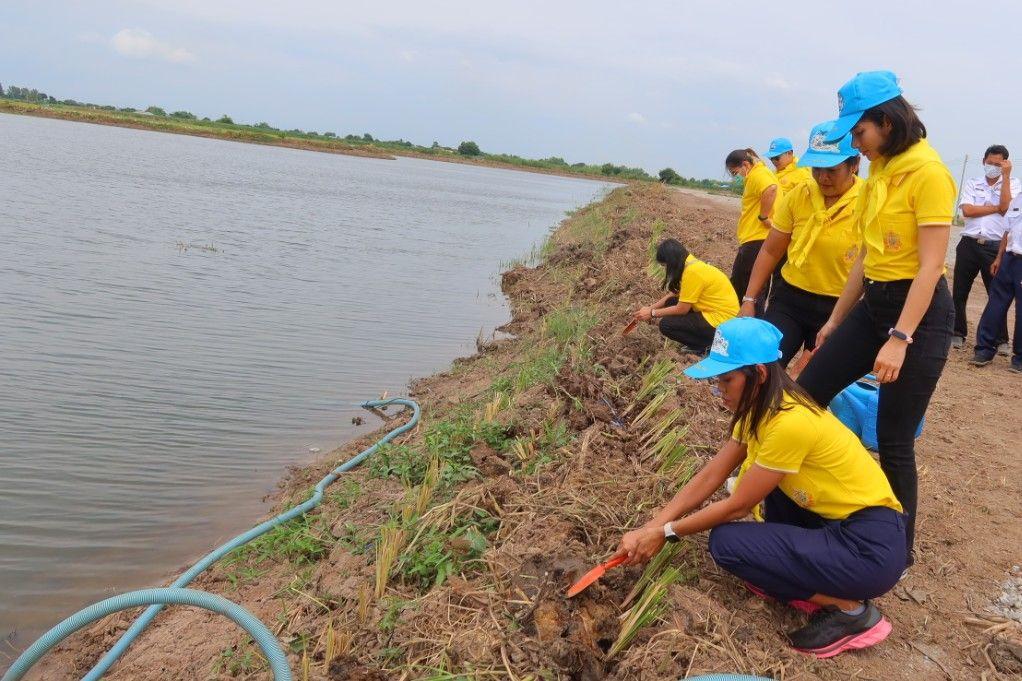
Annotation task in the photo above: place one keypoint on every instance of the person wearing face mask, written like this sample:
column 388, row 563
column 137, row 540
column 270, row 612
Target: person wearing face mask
column 790, row 172
column 895, row 315
column 985, row 201
column 814, row 226
column 758, row 198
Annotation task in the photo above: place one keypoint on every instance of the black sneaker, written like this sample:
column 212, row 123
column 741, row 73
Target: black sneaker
column 981, row 359
column 1016, row 365
column 831, row 631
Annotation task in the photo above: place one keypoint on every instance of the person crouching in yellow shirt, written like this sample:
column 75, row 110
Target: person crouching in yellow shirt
column 834, row 534
column 790, row 172
column 758, row 198
column 895, row 315
column 814, row 225
column 699, row 298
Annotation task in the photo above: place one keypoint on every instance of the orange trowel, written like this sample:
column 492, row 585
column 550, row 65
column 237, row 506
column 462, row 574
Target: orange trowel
column 630, row 327
column 594, row 574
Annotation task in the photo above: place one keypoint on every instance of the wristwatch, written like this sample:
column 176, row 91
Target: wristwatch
column 669, row 533
column 748, row 299
column 894, row 333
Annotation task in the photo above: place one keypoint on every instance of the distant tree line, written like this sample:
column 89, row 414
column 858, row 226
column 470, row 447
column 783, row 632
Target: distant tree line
column 671, row 176
column 466, row 148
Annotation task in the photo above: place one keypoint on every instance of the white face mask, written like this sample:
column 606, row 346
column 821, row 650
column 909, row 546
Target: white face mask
column 993, row 172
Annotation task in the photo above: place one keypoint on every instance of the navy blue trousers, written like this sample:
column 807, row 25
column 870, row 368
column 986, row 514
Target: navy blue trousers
column 796, row 553
column 1005, row 287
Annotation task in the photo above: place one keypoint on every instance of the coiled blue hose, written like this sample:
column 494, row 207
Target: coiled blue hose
column 185, row 579
column 169, row 596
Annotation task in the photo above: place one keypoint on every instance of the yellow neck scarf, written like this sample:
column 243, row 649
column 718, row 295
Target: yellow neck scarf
column 820, row 218
column 882, row 174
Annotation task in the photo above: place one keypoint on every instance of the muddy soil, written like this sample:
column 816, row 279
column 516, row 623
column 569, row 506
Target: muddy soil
column 504, row 614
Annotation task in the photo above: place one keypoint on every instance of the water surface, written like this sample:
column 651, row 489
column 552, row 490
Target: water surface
column 181, row 318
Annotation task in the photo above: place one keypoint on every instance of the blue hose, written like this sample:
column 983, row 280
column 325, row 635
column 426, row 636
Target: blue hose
column 727, row 677
column 170, row 596
column 185, row 579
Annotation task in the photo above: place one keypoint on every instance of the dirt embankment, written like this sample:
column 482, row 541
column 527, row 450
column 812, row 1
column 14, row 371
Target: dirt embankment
column 548, row 445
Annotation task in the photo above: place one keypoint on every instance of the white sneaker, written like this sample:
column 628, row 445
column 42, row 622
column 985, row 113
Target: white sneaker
column 1003, row 350
column 957, row 342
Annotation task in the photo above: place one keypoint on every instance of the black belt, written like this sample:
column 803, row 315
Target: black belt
column 981, row 241
column 895, row 284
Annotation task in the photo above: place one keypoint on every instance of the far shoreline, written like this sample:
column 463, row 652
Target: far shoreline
column 169, row 126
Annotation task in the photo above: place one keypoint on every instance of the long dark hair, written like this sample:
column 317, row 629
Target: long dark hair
column 906, row 128
column 760, row 401
column 672, row 255
column 740, row 156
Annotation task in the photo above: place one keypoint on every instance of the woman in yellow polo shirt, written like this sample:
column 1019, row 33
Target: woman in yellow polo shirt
column 758, row 198
column 699, row 298
column 895, row 315
column 834, row 534
column 790, row 173
column 814, row 225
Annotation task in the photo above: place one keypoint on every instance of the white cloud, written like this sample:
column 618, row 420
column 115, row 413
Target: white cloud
column 775, row 81
column 409, row 55
column 138, row 43
column 637, row 118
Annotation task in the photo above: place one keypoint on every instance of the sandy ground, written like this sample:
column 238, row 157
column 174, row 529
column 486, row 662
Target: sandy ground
column 561, row 507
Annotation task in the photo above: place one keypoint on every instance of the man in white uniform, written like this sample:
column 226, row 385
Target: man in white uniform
column 984, row 203
column 1005, row 287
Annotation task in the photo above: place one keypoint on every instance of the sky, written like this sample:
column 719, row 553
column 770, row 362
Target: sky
column 652, row 85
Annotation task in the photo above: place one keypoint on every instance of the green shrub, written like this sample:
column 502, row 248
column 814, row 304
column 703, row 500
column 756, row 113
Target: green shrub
column 469, row 149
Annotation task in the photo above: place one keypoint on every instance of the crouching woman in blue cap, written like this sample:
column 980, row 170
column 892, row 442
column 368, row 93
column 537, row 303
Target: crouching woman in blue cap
column 834, row 535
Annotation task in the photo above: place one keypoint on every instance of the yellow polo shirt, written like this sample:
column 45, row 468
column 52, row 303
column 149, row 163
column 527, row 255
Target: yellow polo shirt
column 922, row 197
column 708, row 290
column 818, row 262
column 790, row 176
column 756, row 182
column 827, row 470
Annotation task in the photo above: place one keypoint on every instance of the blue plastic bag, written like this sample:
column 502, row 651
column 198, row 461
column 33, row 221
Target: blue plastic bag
column 856, row 407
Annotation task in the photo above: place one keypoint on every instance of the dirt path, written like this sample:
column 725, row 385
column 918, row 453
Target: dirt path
column 548, row 442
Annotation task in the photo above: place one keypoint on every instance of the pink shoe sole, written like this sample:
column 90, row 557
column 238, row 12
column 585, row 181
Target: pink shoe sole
column 875, row 634
column 802, row 606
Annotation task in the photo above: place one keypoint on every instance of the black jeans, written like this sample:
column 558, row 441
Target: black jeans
column 799, row 315
column 851, row 351
column 690, row 329
column 972, row 258
column 741, row 270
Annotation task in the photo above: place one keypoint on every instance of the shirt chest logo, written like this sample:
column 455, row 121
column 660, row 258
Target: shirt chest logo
column 802, row 497
column 892, row 241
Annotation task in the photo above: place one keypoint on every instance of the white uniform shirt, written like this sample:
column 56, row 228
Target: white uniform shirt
column 978, row 193
column 1014, row 220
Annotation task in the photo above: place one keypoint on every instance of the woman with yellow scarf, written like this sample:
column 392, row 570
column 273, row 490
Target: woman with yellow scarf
column 895, row 314
column 814, row 224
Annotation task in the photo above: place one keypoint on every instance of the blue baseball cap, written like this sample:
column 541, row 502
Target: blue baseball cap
column 778, row 146
column 824, row 154
column 739, row 342
column 865, row 91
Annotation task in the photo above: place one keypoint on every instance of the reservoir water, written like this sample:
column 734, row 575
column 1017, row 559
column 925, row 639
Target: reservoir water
column 182, row 318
